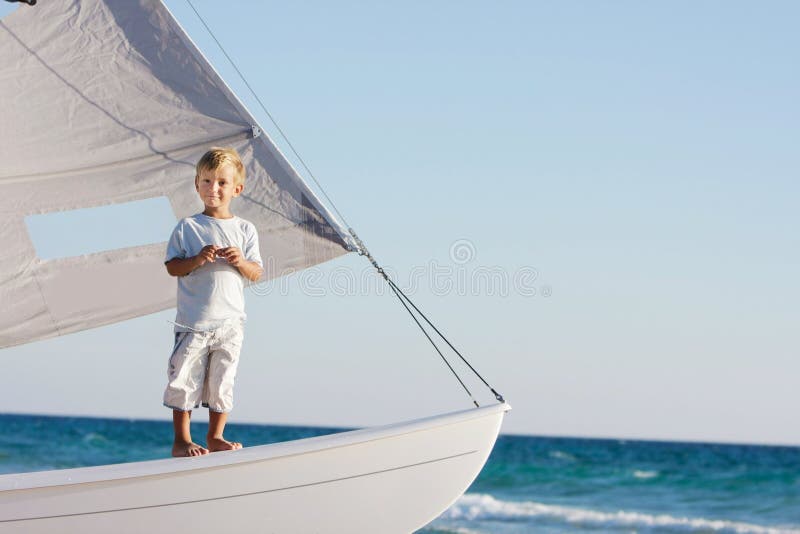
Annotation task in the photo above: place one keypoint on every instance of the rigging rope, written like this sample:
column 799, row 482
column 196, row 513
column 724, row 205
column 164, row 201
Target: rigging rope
column 362, row 249
column 447, row 363
column 403, row 299
column 497, row 396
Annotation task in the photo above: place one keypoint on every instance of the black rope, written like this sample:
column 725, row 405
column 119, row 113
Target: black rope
column 362, row 251
column 396, row 289
column 383, row 273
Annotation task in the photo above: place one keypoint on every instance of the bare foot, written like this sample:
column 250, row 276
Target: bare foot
column 187, row 448
column 221, row 444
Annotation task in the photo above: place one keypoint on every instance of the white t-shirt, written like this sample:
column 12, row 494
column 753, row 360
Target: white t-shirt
column 212, row 294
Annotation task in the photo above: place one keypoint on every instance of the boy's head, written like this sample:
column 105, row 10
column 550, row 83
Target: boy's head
column 216, row 157
column 219, row 178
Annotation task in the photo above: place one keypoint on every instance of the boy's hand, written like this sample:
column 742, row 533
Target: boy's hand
column 232, row 254
column 184, row 266
column 207, row 254
column 249, row 269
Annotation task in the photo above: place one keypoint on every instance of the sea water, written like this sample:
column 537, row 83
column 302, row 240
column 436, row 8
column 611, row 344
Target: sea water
column 530, row 484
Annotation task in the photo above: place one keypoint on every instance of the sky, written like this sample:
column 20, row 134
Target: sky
column 595, row 202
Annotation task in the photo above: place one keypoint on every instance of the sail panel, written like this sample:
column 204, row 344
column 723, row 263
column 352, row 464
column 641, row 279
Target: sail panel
column 108, row 101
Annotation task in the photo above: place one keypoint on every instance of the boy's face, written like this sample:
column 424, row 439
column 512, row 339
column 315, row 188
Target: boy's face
column 217, row 188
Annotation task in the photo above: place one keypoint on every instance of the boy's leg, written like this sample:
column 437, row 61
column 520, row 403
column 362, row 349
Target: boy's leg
column 214, row 439
column 186, row 371
column 183, row 444
column 223, row 360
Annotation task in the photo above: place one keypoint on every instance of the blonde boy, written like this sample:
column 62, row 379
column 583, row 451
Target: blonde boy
column 211, row 253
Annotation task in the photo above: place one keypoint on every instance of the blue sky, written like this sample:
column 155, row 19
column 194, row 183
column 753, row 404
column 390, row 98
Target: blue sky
column 640, row 157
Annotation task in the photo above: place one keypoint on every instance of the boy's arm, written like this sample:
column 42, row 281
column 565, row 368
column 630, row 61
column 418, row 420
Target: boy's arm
column 183, row 266
column 249, row 269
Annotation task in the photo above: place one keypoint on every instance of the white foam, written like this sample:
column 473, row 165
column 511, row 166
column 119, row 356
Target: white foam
column 644, row 475
column 455, row 530
column 93, row 437
column 560, row 455
column 481, row 506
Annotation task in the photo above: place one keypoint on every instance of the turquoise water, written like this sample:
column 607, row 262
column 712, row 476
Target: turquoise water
column 530, row 484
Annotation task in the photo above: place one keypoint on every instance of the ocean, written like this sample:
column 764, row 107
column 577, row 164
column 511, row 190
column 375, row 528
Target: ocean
column 530, row 484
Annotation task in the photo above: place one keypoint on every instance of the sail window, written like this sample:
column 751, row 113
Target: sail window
column 6, row 9
column 89, row 230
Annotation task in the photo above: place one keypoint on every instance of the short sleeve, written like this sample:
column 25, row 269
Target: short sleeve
column 175, row 245
column 251, row 250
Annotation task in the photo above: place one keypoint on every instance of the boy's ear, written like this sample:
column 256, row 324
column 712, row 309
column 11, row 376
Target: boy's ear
column 237, row 190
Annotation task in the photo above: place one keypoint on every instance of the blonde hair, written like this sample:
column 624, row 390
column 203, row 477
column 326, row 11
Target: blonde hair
column 216, row 157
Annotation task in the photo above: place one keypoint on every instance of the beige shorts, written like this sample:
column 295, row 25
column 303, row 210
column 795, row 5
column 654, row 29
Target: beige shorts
column 202, row 369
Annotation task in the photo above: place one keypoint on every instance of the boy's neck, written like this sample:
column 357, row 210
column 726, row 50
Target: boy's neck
column 218, row 213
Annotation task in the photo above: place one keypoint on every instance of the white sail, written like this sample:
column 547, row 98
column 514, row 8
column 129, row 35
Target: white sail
column 106, row 102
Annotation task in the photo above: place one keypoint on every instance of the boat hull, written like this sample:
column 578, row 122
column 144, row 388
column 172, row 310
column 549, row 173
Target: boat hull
column 395, row 478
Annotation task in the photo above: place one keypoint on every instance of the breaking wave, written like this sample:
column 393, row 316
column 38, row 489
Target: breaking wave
column 486, row 507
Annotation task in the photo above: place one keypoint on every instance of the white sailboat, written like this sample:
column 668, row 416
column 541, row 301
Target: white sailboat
column 118, row 105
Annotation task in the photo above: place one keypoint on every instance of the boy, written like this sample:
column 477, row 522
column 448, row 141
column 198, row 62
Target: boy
column 211, row 253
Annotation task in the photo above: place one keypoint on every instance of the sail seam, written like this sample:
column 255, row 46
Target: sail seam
column 44, row 301
column 26, row 178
